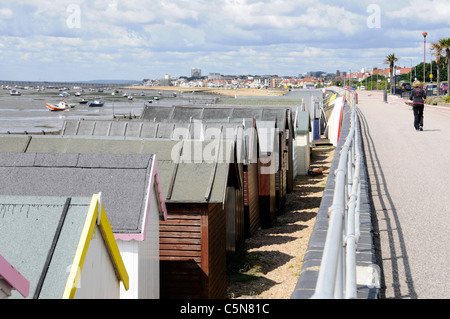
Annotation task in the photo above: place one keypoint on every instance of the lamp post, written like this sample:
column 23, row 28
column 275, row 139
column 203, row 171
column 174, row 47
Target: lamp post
column 424, row 52
column 410, row 70
column 431, row 66
column 350, row 78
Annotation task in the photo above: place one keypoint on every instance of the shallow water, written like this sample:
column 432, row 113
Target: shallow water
column 29, row 113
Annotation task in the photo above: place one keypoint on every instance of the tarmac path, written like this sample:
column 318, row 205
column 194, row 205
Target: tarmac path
column 409, row 176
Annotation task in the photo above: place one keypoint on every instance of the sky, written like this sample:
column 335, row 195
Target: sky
column 78, row 40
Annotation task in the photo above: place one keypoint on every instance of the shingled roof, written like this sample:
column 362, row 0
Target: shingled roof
column 218, row 113
column 135, row 128
column 198, row 165
column 123, row 180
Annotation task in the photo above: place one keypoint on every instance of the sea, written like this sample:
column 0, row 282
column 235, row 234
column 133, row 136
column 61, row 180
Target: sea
column 27, row 113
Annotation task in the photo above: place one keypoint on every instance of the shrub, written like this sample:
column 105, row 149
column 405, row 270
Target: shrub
column 432, row 100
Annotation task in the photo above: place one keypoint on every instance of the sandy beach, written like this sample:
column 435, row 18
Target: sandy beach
column 220, row 91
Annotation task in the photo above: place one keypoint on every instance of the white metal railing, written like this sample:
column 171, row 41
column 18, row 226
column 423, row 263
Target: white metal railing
column 337, row 274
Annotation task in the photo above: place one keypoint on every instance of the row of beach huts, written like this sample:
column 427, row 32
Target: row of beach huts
column 148, row 208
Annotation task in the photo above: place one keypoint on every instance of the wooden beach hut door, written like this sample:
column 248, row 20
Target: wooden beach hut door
column 230, row 211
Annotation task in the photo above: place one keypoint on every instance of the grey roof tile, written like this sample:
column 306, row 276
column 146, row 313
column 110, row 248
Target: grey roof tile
column 122, row 179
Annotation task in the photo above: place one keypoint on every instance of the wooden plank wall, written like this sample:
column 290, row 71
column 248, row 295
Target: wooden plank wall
column 217, row 258
column 281, row 176
column 193, row 252
column 240, row 216
column 251, row 195
column 180, row 254
column 290, row 161
column 267, row 195
column 234, row 208
column 231, row 220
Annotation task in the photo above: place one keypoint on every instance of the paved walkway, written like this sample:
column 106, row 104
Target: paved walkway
column 409, row 175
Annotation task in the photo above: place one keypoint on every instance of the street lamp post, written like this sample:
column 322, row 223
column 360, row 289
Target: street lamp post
column 410, row 71
column 431, row 67
column 424, row 53
column 350, row 78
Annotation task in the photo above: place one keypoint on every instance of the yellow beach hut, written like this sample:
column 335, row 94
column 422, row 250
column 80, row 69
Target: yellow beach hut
column 64, row 246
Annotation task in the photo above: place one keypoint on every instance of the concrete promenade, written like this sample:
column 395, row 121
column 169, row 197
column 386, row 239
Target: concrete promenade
column 409, row 176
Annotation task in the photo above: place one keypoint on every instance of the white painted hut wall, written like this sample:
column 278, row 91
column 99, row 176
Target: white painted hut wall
column 141, row 259
column 98, row 277
column 302, row 153
column 149, row 254
column 294, row 160
column 129, row 252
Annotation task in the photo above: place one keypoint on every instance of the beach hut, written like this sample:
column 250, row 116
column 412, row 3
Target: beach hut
column 302, row 147
column 247, row 148
column 283, row 117
column 267, row 169
column 234, row 133
column 11, row 279
column 63, row 245
column 201, row 204
column 130, row 128
column 251, row 178
column 244, row 137
column 233, row 113
column 282, row 130
column 140, row 247
column 131, row 195
column 198, row 183
column 193, row 130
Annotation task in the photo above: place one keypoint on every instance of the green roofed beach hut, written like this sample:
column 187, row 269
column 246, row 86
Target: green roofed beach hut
column 130, row 193
column 198, row 181
column 64, row 246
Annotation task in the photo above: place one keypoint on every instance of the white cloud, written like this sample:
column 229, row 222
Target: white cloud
column 171, row 36
column 429, row 11
column 6, row 13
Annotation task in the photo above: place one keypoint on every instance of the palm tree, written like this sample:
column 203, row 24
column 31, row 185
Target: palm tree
column 445, row 43
column 437, row 49
column 391, row 59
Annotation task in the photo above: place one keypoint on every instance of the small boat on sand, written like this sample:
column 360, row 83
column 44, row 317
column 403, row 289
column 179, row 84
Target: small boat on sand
column 15, row 93
column 83, row 101
column 61, row 106
column 96, row 103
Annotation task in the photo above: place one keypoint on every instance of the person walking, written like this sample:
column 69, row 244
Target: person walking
column 418, row 96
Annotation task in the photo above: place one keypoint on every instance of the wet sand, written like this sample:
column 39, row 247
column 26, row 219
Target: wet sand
column 29, row 113
column 220, row 91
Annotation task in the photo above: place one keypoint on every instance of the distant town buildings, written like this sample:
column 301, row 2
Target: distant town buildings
column 306, row 80
column 214, row 76
column 196, row 73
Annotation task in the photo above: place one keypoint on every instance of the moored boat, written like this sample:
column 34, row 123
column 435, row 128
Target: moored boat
column 15, row 92
column 83, row 101
column 96, row 103
column 61, row 106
